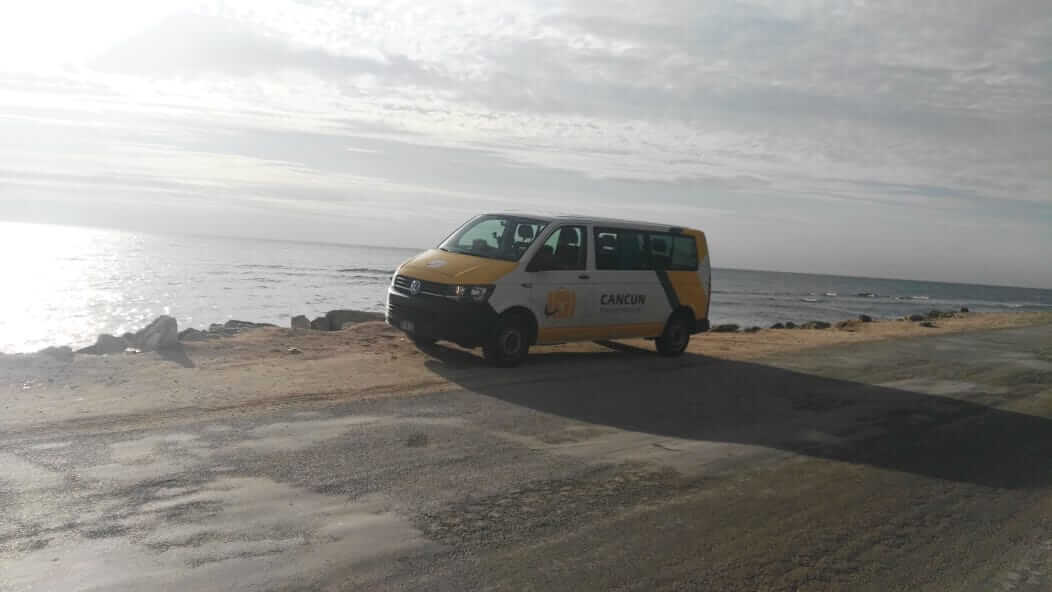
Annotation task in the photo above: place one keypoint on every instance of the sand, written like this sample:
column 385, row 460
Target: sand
column 257, row 368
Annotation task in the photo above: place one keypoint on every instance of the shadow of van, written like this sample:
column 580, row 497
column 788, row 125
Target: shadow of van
column 702, row 398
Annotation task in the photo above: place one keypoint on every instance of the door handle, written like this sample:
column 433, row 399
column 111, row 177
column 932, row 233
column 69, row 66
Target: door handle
column 584, row 276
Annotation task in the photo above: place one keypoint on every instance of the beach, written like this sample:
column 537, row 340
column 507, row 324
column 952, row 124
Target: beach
column 881, row 455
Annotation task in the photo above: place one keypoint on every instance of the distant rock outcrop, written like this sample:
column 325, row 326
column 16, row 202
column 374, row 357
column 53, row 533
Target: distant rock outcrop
column 162, row 333
column 320, row 324
column 815, row 325
column 338, row 318
column 964, row 309
column 64, row 353
column 778, row 326
column 865, row 318
column 194, row 335
column 300, row 322
column 106, row 344
column 916, row 317
column 726, row 328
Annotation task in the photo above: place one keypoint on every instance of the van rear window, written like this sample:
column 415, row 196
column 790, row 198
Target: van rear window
column 674, row 252
column 628, row 250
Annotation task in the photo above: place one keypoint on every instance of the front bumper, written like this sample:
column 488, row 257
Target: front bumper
column 468, row 324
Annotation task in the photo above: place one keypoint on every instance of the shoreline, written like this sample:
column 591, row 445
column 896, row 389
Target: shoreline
column 334, row 320
column 263, row 367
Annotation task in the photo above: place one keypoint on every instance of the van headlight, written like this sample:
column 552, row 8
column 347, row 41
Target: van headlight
column 473, row 293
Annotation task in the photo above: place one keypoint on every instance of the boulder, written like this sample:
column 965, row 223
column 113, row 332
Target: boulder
column 300, row 322
column 964, row 309
column 727, row 328
column 916, row 317
column 339, row 318
column 64, row 353
column 815, row 325
column 193, row 335
column 242, row 325
column 105, row 344
column 865, row 318
column 790, row 325
column 778, row 326
column 162, row 333
column 320, row 324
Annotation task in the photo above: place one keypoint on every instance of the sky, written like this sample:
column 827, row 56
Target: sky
column 889, row 139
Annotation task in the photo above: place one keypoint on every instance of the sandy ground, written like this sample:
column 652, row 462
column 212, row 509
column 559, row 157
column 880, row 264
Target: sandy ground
column 892, row 457
column 367, row 360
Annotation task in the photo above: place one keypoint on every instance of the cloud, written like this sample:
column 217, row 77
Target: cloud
column 745, row 117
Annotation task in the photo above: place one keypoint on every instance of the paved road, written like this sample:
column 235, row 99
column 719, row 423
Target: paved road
column 909, row 465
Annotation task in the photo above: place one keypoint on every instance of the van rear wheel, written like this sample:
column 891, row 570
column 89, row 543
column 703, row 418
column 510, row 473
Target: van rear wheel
column 509, row 344
column 676, row 336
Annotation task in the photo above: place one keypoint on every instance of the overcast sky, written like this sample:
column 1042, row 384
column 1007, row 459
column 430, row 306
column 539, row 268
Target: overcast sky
column 892, row 138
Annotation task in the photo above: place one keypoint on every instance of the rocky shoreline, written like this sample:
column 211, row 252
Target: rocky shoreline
column 163, row 333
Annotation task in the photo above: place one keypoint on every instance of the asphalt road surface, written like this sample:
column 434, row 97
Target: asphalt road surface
column 921, row 464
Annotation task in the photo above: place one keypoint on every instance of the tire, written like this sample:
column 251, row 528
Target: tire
column 676, row 336
column 510, row 343
column 423, row 342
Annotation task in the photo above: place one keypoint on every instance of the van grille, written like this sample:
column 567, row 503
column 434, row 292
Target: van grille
column 401, row 285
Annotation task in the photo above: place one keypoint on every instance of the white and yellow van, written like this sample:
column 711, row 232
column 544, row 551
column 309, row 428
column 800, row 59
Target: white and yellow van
column 509, row 281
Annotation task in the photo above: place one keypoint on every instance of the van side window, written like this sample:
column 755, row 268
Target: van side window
column 565, row 249
column 620, row 249
column 674, row 252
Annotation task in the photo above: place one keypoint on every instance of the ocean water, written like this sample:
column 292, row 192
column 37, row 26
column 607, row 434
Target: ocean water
column 65, row 285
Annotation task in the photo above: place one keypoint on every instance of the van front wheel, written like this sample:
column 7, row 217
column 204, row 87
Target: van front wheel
column 510, row 343
column 675, row 337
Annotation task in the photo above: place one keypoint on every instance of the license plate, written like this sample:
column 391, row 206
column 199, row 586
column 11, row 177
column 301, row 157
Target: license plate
column 407, row 326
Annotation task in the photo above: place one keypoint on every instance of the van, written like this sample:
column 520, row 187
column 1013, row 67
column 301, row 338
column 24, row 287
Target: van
column 506, row 282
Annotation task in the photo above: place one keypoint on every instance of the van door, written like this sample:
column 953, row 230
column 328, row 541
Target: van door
column 630, row 298
column 561, row 292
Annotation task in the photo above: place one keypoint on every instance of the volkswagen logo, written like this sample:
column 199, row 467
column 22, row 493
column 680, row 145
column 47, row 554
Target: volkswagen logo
column 414, row 287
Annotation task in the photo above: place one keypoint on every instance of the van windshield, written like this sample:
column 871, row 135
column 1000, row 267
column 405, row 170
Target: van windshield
column 495, row 237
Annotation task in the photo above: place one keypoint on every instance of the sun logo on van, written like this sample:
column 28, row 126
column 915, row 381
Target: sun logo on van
column 561, row 304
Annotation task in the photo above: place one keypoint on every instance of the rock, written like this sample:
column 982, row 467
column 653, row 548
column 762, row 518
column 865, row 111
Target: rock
column 815, row 325
column 849, row 325
column 193, row 335
column 242, row 325
column 339, row 318
column 778, row 326
column 64, row 353
column 964, row 309
column 162, row 333
column 294, row 351
column 300, row 322
column 928, row 324
column 727, row 328
column 752, row 329
column 105, row 344
column 865, row 318
column 916, row 317
column 790, row 325
column 320, row 324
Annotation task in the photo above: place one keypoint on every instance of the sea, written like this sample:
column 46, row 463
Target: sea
column 65, row 285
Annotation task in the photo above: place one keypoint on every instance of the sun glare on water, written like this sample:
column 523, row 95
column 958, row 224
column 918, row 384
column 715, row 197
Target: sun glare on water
column 59, row 284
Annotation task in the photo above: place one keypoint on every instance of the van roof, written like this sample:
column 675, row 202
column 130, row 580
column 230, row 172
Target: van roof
column 581, row 219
